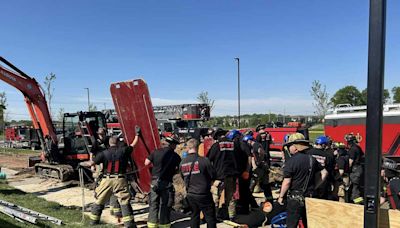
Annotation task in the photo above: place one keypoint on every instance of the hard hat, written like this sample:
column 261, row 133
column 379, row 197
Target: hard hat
column 389, row 164
column 286, row 138
column 260, row 127
column 219, row 132
column 350, row 137
column 297, row 138
column 247, row 138
column 232, row 134
column 171, row 140
column 321, row 140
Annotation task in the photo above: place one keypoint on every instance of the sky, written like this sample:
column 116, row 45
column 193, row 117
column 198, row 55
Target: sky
column 181, row 48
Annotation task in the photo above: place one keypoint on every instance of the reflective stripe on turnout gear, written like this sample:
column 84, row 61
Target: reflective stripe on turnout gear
column 94, row 217
column 152, row 225
column 127, row 218
column 164, row 225
column 358, row 200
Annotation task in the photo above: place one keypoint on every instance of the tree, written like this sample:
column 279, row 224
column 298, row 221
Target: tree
column 49, row 89
column 203, row 98
column 347, row 95
column 321, row 98
column 60, row 114
column 396, row 94
column 386, row 96
column 92, row 107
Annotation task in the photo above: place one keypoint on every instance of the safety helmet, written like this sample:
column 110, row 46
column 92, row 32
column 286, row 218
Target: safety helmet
column 322, row 140
column 286, row 138
column 389, row 164
column 219, row 132
column 247, row 138
column 232, row 134
column 350, row 137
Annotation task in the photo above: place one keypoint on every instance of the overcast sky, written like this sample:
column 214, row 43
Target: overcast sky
column 184, row 47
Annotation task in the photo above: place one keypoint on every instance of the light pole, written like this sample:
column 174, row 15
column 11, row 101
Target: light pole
column 88, row 99
column 238, row 77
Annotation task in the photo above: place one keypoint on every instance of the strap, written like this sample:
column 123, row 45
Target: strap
column 187, row 182
column 309, row 175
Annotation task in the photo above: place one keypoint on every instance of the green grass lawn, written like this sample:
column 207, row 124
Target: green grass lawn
column 314, row 134
column 71, row 216
column 19, row 151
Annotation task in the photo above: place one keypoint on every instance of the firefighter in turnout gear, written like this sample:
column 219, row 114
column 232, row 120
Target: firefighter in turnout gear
column 162, row 194
column 114, row 161
column 222, row 155
column 356, row 157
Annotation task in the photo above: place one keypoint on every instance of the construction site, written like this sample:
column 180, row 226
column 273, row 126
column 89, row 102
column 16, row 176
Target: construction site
column 86, row 166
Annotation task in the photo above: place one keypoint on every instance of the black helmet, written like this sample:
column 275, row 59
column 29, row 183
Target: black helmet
column 389, row 164
column 219, row 132
column 350, row 138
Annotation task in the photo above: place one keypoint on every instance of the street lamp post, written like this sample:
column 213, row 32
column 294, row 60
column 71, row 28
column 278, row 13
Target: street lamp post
column 238, row 77
column 88, row 98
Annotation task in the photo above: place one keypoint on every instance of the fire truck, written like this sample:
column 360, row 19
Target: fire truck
column 182, row 120
column 22, row 137
column 346, row 119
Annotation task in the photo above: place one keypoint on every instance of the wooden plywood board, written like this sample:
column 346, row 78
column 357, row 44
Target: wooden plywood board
column 133, row 105
column 324, row 213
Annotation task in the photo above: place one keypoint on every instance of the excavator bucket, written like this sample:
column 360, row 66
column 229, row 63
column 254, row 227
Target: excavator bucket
column 133, row 106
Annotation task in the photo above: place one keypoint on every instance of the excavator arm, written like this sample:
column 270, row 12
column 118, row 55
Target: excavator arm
column 36, row 103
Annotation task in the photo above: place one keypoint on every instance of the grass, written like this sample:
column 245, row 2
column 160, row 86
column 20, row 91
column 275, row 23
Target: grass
column 71, row 216
column 314, row 134
column 19, row 151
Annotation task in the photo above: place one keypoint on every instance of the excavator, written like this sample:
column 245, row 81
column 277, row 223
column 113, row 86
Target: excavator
column 62, row 153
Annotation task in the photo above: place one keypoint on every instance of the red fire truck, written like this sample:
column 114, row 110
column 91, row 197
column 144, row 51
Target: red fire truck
column 347, row 119
column 22, row 137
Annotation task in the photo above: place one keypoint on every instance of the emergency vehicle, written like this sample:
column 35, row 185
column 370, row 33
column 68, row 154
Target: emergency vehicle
column 346, row 119
column 22, row 137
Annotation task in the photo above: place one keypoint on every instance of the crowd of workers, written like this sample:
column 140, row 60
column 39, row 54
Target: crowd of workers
column 220, row 183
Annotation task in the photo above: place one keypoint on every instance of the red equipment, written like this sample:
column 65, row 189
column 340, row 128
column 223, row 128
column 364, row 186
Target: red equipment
column 58, row 159
column 133, row 106
column 344, row 120
column 22, row 137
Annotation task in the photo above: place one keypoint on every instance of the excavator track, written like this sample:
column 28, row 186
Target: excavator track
column 55, row 171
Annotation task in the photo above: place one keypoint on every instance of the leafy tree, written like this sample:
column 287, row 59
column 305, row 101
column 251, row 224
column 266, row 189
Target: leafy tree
column 321, row 98
column 386, row 96
column 92, row 107
column 396, row 94
column 49, row 89
column 203, row 98
column 347, row 95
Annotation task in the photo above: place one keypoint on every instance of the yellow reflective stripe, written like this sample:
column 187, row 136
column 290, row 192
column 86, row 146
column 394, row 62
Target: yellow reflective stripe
column 127, row 218
column 358, row 200
column 152, row 225
column 94, row 217
column 117, row 209
column 165, row 225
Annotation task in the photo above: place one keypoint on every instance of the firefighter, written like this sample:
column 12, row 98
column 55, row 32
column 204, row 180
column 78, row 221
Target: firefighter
column 115, row 161
column 223, row 159
column 390, row 175
column 341, row 173
column 264, row 138
column 326, row 160
column 356, row 157
column 298, row 181
column 260, row 167
column 198, row 175
column 162, row 194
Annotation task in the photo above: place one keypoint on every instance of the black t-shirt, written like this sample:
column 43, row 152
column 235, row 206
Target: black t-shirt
column 265, row 142
column 202, row 174
column 114, row 159
column 165, row 162
column 243, row 153
column 325, row 158
column 223, row 158
column 297, row 168
column 355, row 154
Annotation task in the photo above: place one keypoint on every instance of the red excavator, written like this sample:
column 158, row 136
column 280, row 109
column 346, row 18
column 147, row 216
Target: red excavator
column 61, row 153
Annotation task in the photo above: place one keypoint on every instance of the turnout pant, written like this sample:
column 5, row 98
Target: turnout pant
column 115, row 208
column 355, row 178
column 205, row 204
column 161, row 202
column 260, row 175
column 246, row 197
column 119, row 187
column 228, row 188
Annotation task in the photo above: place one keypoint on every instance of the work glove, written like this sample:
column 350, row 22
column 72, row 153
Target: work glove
column 245, row 175
column 138, row 130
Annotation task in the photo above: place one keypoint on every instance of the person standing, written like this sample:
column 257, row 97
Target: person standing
column 115, row 162
column 356, row 157
column 165, row 165
column 391, row 177
column 198, row 174
column 222, row 155
column 298, row 182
